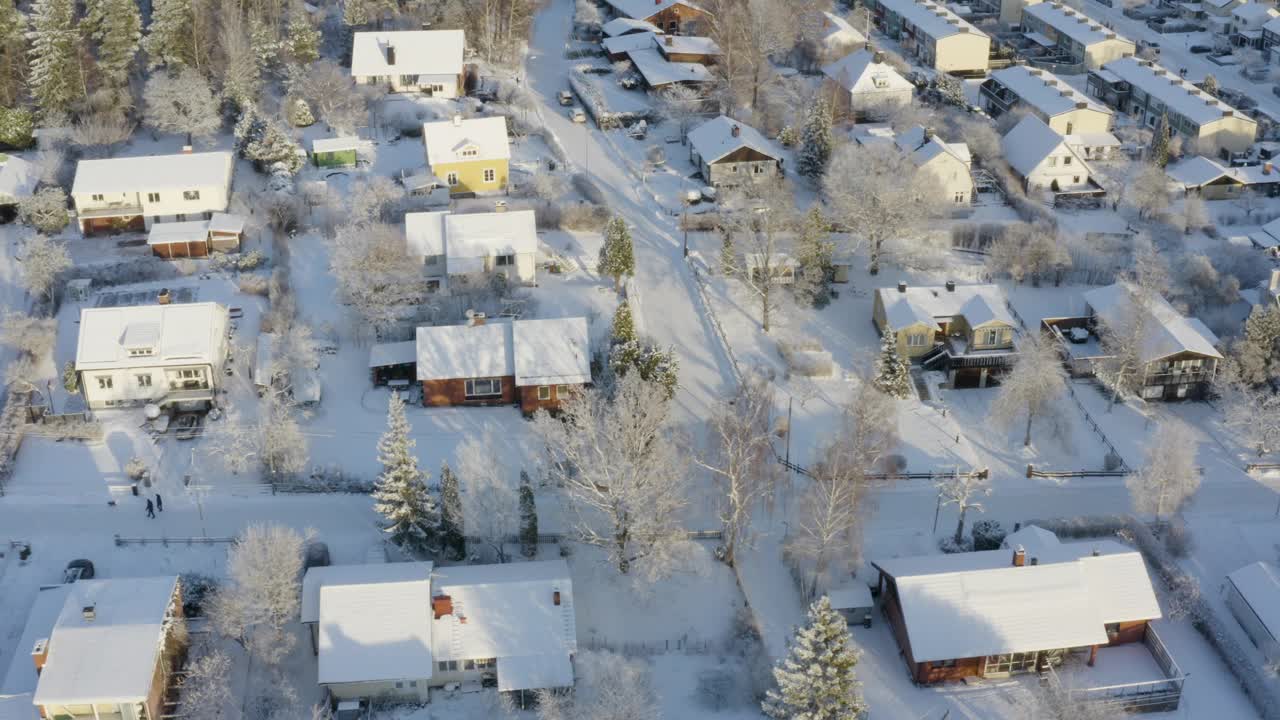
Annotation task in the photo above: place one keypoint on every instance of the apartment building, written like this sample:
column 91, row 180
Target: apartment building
column 935, row 35
column 1060, row 106
column 1075, row 35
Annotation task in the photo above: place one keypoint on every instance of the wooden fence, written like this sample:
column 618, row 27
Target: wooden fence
column 984, row 473
column 122, row 541
column 1163, row 695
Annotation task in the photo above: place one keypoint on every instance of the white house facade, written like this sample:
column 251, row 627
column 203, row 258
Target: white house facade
column 132, row 193
column 428, row 61
column 473, row 247
column 1043, row 159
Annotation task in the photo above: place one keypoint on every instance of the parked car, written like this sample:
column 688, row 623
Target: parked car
column 351, row 710
column 566, row 97
column 1200, row 49
column 578, row 115
column 1256, row 73
column 1275, row 90
column 315, row 555
column 80, row 569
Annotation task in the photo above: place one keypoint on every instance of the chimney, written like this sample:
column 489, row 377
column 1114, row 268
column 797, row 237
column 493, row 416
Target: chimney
column 877, row 57
column 89, row 612
column 668, row 40
column 1266, row 168
column 902, row 287
column 500, row 206
column 441, row 605
column 457, row 121
column 1035, row 561
column 1019, row 557
column 1274, row 285
column 474, row 319
column 555, row 598
column 40, row 654
column 1081, row 105
column 1017, row 526
column 1096, row 553
column 951, row 286
column 186, row 149
column 736, row 131
column 163, row 298
column 391, row 54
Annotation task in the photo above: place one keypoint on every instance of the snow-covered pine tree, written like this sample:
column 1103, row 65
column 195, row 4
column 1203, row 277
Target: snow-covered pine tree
column 16, row 126
column 355, row 13
column 303, row 41
column 624, row 327
column 528, row 518
column 654, row 364
column 815, row 141
column 816, row 680
column 893, row 375
column 1257, row 354
column 168, row 40
column 401, row 494
column 617, row 257
column 814, row 253
column 55, row 78
column 266, row 47
column 300, row 113
column 117, row 26
column 273, row 149
column 453, row 541
column 13, row 55
column 1160, row 142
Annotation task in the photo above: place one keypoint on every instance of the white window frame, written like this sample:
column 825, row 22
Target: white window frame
column 105, row 382
column 990, row 337
column 544, row 392
column 451, row 179
column 143, row 380
column 1152, row 392
column 504, row 260
column 153, row 197
column 917, row 340
column 493, row 387
column 490, row 175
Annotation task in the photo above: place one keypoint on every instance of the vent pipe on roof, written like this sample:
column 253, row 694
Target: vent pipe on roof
column 1096, row 553
column 457, row 121
column 668, row 40
column 391, row 54
column 736, row 131
column 89, row 612
column 1019, row 557
column 951, row 286
column 902, row 287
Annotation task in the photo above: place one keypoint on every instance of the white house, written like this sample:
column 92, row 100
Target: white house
column 1247, row 22
column 949, row 163
column 398, row 629
column 428, row 61
column 151, row 353
column 1252, row 593
column 134, row 192
column 470, row 248
column 727, row 153
column 1043, row 159
column 862, row 84
column 18, row 179
column 837, row 37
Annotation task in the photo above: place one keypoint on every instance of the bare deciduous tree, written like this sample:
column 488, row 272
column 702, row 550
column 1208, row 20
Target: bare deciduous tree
column 204, row 693
column 45, row 210
column 490, row 504
column 1170, row 476
column 336, row 99
column 42, row 261
column 681, row 105
column 102, row 130
column 261, row 594
column 1253, row 415
column 1034, row 387
column 963, row 491
column 375, row 274
column 765, row 212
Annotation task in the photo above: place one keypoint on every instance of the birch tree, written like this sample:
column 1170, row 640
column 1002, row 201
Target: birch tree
column 765, row 212
column 622, row 475
column 1148, row 193
column 181, row 102
column 332, row 93
column 1257, row 353
column 261, row 595
column 1033, row 388
column 963, row 490
column 204, row 691
column 880, row 195
column 400, row 494
column 1124, row 334
column 284, row 447
column 680, row 104
column 55, row 78
column 117, row 26
column 740, row 458
column 490, row 502
column 1252, row 413
column 236, row 65
column 43, row 260
column 375, row 274
column 613, row 687
column 1170, row 476
column 816, row 680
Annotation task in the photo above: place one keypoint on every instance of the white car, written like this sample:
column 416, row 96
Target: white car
column 578, row 115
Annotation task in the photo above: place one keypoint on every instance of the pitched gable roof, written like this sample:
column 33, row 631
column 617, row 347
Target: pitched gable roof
column 1167, row 331
column 714, row 139
column 417, row 52
column 446, row 140
column 645, row 9
column 1030, row 142
column 860, row 72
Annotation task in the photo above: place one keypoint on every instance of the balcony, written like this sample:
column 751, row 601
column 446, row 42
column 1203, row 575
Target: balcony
column 1179, row 378
column 110, row 210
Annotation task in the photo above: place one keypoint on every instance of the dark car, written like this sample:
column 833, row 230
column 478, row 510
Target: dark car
column 1201, row 49
column 80, row 569
column 317, row 555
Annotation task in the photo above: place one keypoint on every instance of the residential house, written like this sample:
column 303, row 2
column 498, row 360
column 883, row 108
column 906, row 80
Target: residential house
column 949, row 163
column 159, row 354
column 196, row 238
column 1211, row 180
column 862, row 85
column 1178, row 354
column 1268, row 238
column 396, row 630
column 1252, row 594
column 1046, row 96
column 1076, row 37
column 935, row 35
column 1270, row 39
column 132, row 193
column 110, row 651
column 836, row 37
column 335, row 152
column 620, row 26
column 617, row 47
column 426, row 61
column 467, row 250
column 657, row 72
column 729, row 153
column 674, row 17
column 1247, row 21
column 1147, row 91
column 535, row 363
column 18, row 180
column 688, row 49
column 995, row 613
column 965, row 330
column 470, row 155
column 1044, row 160
column 1218, row 15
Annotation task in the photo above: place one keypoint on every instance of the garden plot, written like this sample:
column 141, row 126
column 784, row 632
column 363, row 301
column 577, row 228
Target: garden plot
column 604, row 98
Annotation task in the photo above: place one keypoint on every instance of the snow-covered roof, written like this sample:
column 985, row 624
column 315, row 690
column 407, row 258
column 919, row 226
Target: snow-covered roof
column 22, row 677
column 509, row 612
column 1219, row 3
column 645, row 9
column 1091, row 140
column 859, row 72
column 1196, row 171
column 183, row 334
column 1044, row 91
column 688, row 45
column 424, row 232
column 1259, row 584
column 396, row 353
column 1179, row 95
column 626, row 43
column 851, row 595
column 553, row 351
column 1167, row 332
column 446, row 140
column 714, row 139
column 473, row 235
column 534, row 672
column 112, row 657
column 18, row 178
column 178, row 232
column 836, row 30
column 1255, row 174
column 979, row 603
column 625, row 26
column 933, row 18
column 226, row 223
column 925, row 147
column 335, row 144
column 1272, row 25
column 658, row 72
column 375, row 632
column 417, row 52
column 1035, row 540
column 929, row 304
column 1252, row 13
column 1073, row 23
column 183, row 171
column 18, row 707
column 1031, row 141
column 366, row 574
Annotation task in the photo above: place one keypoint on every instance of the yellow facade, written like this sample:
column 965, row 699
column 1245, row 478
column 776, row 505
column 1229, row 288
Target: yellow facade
column 473, row 176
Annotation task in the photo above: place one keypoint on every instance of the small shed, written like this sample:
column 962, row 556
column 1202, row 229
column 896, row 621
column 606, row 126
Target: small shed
column 306, row 387
column 394, row 364
column 1252, row 593
column 854, row 602
column 226, row 232
column 335, row 152
column 780, row 266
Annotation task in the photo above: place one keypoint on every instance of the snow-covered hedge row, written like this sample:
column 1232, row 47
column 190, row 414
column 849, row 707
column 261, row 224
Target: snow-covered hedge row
column 806, row 357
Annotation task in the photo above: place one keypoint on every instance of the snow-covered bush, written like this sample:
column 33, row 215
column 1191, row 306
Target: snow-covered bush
column 16, row 128
column 254, row 285
column 300, row 113
column 1178, row 540
column 950, row 546
column 987, row 535
column 805, row 356
column 45, row 210
column 583, row 216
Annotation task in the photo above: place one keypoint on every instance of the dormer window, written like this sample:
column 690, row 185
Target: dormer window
column 470, row 152
column 141, row 351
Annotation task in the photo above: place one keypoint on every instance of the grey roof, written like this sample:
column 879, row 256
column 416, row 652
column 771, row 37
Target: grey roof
column 1073, row 24
column 1044, row 91
column 1180, row 96
column 935, row 19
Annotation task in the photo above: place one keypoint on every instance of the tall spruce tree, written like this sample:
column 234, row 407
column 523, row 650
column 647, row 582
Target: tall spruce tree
column 1160, row 142
column 117, row 26
column 816, row 680
column 815, row 141
column 624, row 327
column 169, row 40
column 401, row 495
column 55, row 79
column 453, row 540
column 893, row 375
column 13, row 54
column 617, row 257
column 303, row 40
column 1257, row 354
column 814, row 251
column 528, row 518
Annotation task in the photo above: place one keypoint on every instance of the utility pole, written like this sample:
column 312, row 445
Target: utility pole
column 789, row 401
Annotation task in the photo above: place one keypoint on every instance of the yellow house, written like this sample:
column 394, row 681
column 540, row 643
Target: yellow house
column 470, row 155
column 965, row 330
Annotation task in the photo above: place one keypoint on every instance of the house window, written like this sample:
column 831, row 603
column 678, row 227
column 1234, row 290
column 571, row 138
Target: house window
column 1152, row 392
column 104, row 382
column 959, row 198
column 180, row 217
column 490, row 175
column 413, row 683
column 399, row 685
column 1075, row 179
column 469, row 665
column 486, row 663
column 139, row 352
column 452, row 179
column 153, row 197
column 945, row 663
column 1182, row 391
column 437, row 88
column 190, row 194
column 96, row 198
column 470, row 152
column 916, row 340
column 990, row 337
column 1053, row 162
column 544, row 392
column 144, row 381
column 758, row 169
column 1069, row 127
column 484, row 387
column 505, row 260
column 447, row 665
column 1066, row 161
column 1112, row 628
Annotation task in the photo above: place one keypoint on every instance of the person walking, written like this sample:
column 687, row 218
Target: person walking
column 151, row 510
column 159, row 503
